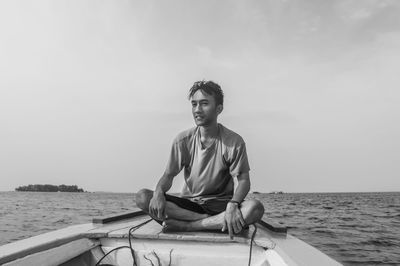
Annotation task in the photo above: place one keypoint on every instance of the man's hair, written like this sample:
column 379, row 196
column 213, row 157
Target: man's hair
column 210, row 88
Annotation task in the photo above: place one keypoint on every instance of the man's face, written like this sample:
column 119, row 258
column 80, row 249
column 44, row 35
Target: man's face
column 204, row 109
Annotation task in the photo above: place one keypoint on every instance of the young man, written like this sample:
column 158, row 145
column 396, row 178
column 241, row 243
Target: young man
column 211, row 156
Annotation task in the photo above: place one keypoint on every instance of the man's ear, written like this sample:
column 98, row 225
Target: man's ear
column 220, row 107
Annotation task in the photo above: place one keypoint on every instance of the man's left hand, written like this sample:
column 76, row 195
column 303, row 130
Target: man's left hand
column 234, row 221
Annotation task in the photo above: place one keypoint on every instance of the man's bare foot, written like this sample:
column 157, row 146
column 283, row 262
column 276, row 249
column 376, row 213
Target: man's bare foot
column 172, row 225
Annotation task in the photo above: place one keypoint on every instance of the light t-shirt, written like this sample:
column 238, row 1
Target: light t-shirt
column 208, row 171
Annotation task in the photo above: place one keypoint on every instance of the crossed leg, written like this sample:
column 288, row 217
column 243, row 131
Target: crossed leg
column 180, row 219
column 252, row 211
column 172, row 210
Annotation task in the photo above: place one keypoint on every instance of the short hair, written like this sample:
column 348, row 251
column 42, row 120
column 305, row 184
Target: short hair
column 210, row 88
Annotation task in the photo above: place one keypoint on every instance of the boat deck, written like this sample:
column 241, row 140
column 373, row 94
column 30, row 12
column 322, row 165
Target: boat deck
column 110, row 231
column 153, row 230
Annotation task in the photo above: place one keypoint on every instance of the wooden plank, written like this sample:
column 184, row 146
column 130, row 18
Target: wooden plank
column 149, row 230
column 153, row 230
column 105, row 229
column 272, row 226
column 118, row 217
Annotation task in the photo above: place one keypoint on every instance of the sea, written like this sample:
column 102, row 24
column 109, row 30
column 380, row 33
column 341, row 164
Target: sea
column 352, row 228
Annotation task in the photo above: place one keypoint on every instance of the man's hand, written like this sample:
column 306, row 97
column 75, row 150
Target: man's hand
column 233, row 220
column 157, row 206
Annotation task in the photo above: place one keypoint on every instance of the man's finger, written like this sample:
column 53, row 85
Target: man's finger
column 242, row 222
column 239, row 227
column 235, row 228
column 155, row 213
column 230, row 230
column 159, row 214
column 165, row 213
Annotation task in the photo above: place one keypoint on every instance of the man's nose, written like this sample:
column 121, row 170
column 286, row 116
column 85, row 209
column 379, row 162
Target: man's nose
column 197, row 108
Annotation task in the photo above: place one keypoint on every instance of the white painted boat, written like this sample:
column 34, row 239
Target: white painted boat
column 86, row 244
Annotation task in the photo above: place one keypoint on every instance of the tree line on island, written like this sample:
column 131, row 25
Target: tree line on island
column 50, row 188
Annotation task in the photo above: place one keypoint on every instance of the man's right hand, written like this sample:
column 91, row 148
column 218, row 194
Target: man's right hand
column 157, row 206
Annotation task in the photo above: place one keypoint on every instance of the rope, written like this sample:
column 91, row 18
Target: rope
column 131, row 230
column 152, row 264
column 98, row 263
column 251, row 242
column 170, row 257
column 130, row 236
column 158, row 258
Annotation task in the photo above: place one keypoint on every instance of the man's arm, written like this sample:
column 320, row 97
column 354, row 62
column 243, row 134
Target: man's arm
column 164, row 184
column 157, row 203
column 234, row 221
column 174, row 166
column 242, row 188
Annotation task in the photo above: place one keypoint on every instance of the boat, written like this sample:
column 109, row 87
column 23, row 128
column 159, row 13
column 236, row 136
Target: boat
column 134, row 238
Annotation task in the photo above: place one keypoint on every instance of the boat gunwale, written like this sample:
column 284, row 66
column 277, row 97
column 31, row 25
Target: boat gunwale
column 39, row 243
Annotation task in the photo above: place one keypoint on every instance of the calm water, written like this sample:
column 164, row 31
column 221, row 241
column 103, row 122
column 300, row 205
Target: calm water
column 353, row 228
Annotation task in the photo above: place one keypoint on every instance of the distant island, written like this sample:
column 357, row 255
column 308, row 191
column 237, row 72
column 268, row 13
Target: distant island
column 50, row 188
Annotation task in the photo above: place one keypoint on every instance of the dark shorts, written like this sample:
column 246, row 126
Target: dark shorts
column 211, row 207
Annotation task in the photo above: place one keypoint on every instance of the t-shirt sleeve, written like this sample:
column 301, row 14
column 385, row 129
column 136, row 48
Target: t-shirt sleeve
column 176, row 158
column 239, row 162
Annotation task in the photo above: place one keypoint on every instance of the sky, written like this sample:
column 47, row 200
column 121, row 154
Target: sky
column 93, row 92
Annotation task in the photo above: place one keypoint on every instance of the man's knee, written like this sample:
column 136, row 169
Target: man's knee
column 256, row 209
column 143, row 198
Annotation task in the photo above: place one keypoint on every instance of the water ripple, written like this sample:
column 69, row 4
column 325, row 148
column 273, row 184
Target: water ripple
column 353, row 228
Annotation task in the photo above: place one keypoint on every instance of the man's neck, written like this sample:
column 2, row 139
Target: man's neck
column 209, row 131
